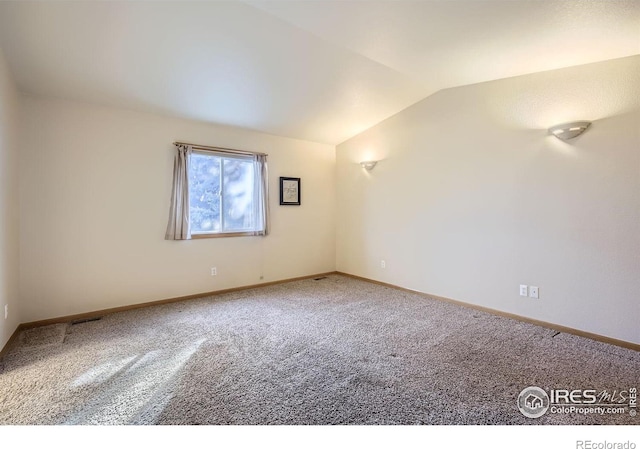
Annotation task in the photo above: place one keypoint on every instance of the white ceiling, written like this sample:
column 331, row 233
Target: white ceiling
column 316, row 70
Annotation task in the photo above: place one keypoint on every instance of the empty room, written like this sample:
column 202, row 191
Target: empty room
column 320, row 213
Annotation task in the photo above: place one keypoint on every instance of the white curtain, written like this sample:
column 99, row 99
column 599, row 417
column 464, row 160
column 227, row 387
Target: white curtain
column 178, row 227
column 261, row 203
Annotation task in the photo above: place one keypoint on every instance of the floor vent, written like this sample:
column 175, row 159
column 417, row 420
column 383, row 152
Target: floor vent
column 86, row 320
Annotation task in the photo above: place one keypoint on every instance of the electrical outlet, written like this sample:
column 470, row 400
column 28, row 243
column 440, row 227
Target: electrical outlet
column 533, row 292
column 214, row 271
column 383, row 264
column 524, row 290
column 6, row 311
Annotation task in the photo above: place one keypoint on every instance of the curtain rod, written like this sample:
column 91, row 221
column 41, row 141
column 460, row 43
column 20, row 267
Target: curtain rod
column 220, row 149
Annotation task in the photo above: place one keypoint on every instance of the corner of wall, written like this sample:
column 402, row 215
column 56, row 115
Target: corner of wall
column 9, row 204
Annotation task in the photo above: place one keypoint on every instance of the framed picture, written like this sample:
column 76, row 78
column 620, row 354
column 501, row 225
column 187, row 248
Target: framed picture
column 289, row 191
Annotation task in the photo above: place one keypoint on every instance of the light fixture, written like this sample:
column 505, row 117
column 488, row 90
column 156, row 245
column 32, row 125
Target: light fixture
column 368, row 165
column 570, row 130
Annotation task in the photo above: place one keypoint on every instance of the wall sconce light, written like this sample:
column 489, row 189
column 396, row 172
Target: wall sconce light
column 570, row 130
column 368, row 165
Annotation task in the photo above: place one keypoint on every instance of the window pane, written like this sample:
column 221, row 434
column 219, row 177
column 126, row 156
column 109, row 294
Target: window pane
column 238, row 192
column 204, row 193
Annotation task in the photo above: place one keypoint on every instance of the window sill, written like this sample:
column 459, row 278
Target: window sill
column 226, row 234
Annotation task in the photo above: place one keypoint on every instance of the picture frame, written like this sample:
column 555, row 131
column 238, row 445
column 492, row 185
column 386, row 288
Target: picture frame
column 289, row 191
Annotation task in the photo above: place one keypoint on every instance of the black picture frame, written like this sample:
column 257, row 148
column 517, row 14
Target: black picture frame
column 290, row 191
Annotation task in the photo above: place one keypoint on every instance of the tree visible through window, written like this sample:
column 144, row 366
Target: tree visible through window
column 223, row 192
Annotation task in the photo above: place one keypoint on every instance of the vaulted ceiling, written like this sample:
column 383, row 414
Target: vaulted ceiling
column 316, row 70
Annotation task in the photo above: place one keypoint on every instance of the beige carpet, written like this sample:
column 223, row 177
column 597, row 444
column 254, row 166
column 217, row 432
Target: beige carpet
column 331, row 351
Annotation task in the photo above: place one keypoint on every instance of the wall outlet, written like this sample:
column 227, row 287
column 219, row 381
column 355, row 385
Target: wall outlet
column 524, row 290
column 6, row 311
column 214, row 271
column 383, row 264
column 533, row 292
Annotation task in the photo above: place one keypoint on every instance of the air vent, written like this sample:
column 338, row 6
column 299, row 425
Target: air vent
column 86, row 320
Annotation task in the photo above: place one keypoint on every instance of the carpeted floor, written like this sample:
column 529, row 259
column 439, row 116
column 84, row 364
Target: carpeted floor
column 330, row 351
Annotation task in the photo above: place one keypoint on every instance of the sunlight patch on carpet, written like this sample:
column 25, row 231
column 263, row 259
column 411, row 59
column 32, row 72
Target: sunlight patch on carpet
column 101, row 373
column 129, row 390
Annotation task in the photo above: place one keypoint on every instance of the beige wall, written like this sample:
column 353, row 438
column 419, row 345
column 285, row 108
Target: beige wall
column 95, row 197
column 472, row 198
column 9, row 251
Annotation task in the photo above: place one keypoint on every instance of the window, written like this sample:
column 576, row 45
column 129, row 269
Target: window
column 224, row 194
column 217, row 192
